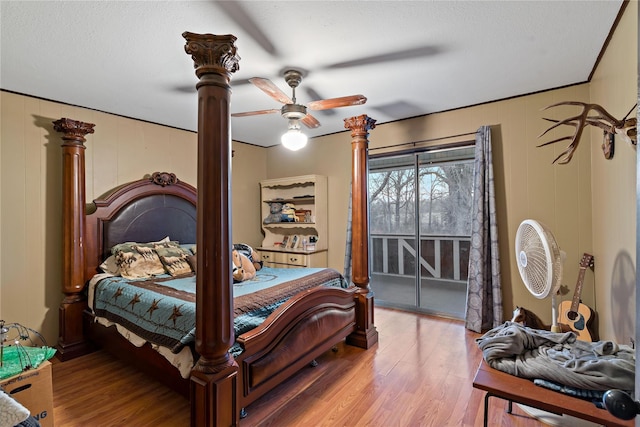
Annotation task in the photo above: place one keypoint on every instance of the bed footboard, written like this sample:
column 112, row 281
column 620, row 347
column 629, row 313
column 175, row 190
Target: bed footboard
column 303, row 328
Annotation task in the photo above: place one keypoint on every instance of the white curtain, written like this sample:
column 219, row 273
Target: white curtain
column 484, row 294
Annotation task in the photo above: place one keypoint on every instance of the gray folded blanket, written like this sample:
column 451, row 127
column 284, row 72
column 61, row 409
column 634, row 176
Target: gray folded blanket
column 559, row 357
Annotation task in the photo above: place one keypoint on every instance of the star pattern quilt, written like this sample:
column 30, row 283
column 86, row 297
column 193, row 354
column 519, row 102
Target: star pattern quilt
column 162, row 309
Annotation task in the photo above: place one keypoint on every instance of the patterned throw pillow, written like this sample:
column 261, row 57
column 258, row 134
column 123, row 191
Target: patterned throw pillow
column 175, row 259
column 110, row 265
column 193, row 262
column 139, row 260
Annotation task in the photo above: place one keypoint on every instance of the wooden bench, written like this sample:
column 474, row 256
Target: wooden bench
column 520, row 390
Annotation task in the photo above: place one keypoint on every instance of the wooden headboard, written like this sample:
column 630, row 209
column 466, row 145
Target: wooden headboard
column 146, row 210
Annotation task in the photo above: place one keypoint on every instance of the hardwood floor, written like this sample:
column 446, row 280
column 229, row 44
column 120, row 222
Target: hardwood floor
column 419, row 374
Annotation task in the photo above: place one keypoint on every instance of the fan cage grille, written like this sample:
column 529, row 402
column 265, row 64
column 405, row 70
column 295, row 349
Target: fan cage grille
column 539, row 259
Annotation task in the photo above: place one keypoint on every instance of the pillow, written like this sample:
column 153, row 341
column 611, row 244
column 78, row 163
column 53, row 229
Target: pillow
column 110, row 266
column 140, row 260
column 193, row 262
column 174, row 259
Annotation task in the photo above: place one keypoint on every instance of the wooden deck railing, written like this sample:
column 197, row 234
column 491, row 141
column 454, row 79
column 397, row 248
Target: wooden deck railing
column 441, row 257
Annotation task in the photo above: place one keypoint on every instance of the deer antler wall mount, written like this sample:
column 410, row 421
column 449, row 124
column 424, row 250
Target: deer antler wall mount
column 611, row 126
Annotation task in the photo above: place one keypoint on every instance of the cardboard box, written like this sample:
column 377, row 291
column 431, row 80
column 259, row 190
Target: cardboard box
column 34, row 390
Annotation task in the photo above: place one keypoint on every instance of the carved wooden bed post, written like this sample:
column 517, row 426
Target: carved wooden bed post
column 366, row 334
column 71, row 341
column 214, row 378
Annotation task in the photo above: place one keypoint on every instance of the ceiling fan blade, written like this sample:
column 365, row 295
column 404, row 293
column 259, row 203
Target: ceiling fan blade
column 344, row 101
column 310, row 121
column 239, row 82
column 271, row 89
column 239, row 14
column 315, row 96
column 418, row 52
column 256, row 113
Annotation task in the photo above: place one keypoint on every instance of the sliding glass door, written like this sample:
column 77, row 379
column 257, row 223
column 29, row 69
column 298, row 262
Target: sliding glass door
column 420, row 206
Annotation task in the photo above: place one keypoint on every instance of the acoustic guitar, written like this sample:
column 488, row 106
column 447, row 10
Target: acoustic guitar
column 575, row 314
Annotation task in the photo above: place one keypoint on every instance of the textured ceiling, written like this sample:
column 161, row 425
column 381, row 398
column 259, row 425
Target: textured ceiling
column 408, row 58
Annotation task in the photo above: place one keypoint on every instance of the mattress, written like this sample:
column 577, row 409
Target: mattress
column 161, row 310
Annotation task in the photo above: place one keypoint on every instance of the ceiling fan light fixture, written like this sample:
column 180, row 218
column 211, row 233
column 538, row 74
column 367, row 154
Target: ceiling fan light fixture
column 294, row 139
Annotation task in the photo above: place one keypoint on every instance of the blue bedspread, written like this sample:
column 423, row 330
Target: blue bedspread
column 162, row 309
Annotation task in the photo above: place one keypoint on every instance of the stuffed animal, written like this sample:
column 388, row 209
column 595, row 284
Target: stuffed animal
column 531, row 320
column 248, row 251
column 275, row 213
column 289, row 213
column 243, row 268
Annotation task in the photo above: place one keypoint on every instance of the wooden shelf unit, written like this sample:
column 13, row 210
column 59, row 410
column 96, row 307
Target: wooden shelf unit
column 307, row 192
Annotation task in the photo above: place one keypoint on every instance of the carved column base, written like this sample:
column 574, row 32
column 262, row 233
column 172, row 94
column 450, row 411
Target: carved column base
column 72, row 342
column 366, row 334
column 213, row 398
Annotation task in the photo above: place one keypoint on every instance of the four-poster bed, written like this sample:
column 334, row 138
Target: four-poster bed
column 302, row 328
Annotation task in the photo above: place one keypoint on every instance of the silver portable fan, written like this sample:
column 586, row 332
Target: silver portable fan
column 540, row 263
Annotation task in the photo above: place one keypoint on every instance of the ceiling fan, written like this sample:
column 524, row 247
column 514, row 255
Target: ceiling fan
column 291, row 110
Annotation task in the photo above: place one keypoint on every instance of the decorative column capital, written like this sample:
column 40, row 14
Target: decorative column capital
column 73, row 130
column 212, row 53
column 360, row 125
